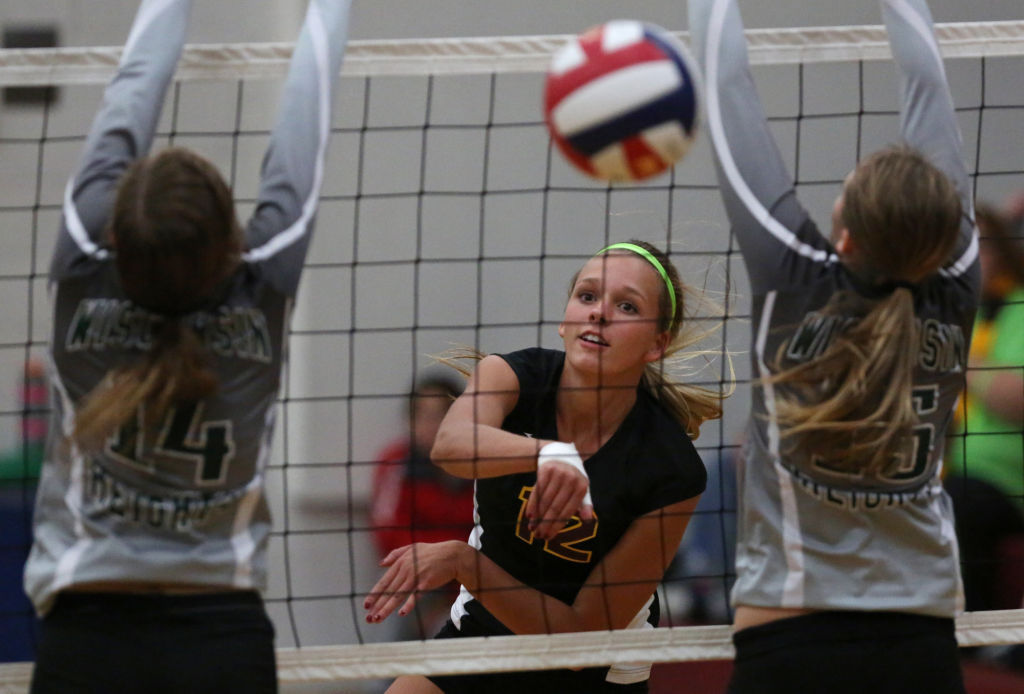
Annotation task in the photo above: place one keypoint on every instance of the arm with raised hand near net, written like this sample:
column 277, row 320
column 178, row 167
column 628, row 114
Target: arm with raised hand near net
column 773, row 228
column 122, row 130
column 279, row 232
column 928, row 119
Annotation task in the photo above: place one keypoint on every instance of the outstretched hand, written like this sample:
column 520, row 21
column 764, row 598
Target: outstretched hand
column 411, row 570
column 562, row 490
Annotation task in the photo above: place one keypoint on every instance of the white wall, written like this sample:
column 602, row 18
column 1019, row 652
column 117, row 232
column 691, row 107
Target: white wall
column 105, row 22
column 102, row 22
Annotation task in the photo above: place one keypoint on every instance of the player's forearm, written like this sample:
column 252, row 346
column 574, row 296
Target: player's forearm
column 477, row 451
column 303, row 120
column 524, row 610
column 756, row 185
column 293, row 168
column 716, row 34
column 134, row 98
column 929, row 121
column 123, row 127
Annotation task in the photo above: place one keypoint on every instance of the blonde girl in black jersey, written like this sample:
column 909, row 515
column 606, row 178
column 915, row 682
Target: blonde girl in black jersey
column 585, row 478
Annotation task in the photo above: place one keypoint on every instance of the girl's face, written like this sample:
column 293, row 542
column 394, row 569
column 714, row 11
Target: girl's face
column 611, row 323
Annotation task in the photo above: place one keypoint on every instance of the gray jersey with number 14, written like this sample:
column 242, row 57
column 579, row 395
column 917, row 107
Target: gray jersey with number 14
column 184, row 501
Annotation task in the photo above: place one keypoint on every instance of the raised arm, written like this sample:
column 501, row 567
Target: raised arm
column 928, row 119
column 122, row 130
column 279, row 231
column 756, row 186
column 613, row 596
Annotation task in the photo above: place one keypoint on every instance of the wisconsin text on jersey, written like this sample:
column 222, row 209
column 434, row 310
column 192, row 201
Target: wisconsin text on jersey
column 230, row 331
column 942, row 348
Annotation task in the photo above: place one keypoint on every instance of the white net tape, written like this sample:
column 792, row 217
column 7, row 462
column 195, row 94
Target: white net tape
column 489, row 54
column 473, row 655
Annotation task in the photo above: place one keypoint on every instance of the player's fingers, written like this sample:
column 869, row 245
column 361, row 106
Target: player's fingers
column 533, row 503
column 388, row 606
column 407, row 607
column 539, row 504
column 555, row 513
column 378, row 594
column 380, row 587
column 412, row 584
column 548, row 495
column 571, row 500
column 386, row 600
column 394, row 555
column 566, row 489
column 391, row 588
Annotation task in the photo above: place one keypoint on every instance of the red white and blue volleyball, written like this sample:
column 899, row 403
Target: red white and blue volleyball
column 622, row 100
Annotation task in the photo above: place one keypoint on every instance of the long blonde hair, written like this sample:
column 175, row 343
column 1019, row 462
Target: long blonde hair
column 852, row 403
column 176, row 239
column 690, row 404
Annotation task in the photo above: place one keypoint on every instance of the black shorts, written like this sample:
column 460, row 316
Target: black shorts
column 130, row 643
column 848, row 653
column 585, row 681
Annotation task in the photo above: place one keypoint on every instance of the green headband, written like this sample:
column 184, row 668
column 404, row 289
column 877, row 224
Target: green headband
column 649, row 257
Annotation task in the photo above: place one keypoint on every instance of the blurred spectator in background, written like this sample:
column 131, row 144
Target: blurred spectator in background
column 415, row 501
column 19, row 472
column 986, row 454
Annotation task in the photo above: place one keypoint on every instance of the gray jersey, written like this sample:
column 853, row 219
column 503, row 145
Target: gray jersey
column 183, row 502
column 811, row 536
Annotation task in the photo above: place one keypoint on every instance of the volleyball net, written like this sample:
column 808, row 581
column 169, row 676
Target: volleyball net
column 448, row 218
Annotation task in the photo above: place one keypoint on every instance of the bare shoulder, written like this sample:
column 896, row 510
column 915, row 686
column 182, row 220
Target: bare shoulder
column 493, row 375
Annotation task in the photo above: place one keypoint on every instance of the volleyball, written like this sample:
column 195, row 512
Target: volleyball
column 622, row 100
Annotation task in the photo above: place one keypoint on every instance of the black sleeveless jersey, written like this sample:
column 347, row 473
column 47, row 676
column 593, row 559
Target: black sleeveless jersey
column 648, row 463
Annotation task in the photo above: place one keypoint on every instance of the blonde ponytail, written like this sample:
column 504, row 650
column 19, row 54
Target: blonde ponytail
column 173, row 371
column 852, row 404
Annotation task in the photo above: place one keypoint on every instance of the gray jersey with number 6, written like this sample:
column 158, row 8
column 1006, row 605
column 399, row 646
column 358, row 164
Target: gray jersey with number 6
column 810, row 535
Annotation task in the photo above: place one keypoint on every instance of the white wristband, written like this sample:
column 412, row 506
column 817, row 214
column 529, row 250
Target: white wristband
column 566, row 453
